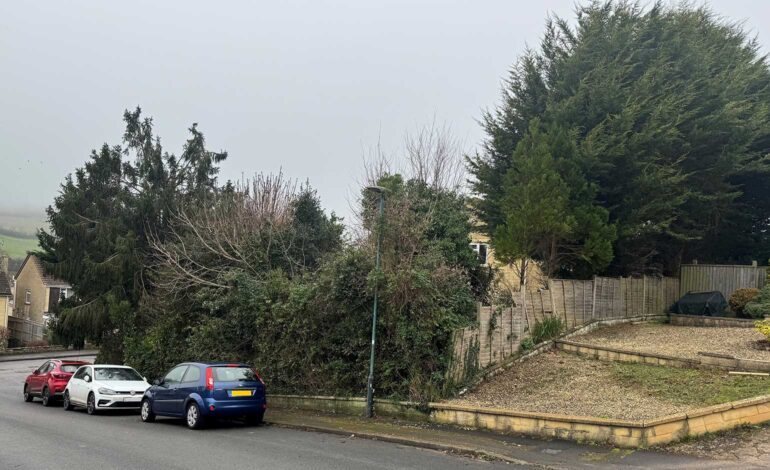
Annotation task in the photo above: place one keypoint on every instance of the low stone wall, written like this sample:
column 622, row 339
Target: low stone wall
column 706, row 360
column 723, row 361
column 578, row 428
column 719, row 322
column 620, row 355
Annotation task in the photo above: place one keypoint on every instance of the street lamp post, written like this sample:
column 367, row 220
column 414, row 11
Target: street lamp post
column 370, row 382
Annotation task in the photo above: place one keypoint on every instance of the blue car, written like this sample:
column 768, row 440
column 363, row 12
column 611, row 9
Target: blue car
column 199, row 392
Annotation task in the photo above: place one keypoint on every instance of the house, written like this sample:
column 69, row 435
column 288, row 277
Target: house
column 509, row 275
column 6, row 295
column 37, row 293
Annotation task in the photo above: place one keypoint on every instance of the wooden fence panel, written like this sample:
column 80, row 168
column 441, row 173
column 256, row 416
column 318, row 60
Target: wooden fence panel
column 500, row 330
column 723, row 278
column 24, row 330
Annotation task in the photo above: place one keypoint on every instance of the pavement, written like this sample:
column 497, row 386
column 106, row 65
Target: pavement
column 34, row 437
column 514, row 449
column 70, row 354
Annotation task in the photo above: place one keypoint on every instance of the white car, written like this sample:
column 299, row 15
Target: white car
column 105, row 387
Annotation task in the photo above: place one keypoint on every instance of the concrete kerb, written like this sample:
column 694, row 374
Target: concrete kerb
column 622, row 433
column 454, row 449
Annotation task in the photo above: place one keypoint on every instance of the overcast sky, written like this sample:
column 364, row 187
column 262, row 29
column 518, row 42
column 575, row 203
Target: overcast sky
column 308, row 86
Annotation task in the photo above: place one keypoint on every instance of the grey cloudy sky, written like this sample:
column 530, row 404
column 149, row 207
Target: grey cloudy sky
column 303, row 85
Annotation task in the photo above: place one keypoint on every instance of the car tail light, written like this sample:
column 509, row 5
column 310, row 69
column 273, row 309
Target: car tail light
column 258, row 376
column 209, row 379
column 59, row 376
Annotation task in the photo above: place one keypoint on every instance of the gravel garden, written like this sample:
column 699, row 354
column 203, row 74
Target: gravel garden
column 680, row 341
column 561, row 383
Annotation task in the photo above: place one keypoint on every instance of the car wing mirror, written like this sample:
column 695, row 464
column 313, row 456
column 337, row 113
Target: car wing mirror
column 157, row 382
column 36, row 373
column 87, row 378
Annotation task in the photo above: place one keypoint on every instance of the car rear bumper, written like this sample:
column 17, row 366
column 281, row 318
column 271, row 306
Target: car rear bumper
column 232, row 408
column 57, row 387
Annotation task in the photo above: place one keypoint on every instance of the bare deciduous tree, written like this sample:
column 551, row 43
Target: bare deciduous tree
column 206, row 242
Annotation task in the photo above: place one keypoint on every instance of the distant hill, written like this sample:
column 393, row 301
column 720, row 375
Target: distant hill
column 17, row 248
column 21, row 223
column 18, row 231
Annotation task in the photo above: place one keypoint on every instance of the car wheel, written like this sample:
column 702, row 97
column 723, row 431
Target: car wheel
column 46, row 397
column 193, row 417
column 91, row 404
column 255, row 419
column 146, row 412
column 67, row 403
column 27, row 396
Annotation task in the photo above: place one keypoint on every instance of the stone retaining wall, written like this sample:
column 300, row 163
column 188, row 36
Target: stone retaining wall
column 723, row 322
column 706, row 360
column 578, row 428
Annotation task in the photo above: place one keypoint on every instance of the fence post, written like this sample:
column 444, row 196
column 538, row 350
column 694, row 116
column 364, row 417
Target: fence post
column 623, row 309
column 593, row 301
column 644, row 295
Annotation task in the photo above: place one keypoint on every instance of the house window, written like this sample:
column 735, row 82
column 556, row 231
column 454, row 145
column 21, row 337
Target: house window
column 28, row 297
column 481, row 249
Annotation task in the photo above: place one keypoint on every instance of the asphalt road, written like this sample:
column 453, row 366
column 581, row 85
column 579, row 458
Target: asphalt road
column 37, row 438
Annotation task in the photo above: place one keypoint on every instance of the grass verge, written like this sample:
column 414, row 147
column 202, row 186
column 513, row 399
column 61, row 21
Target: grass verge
column 16, row 247
column 691, row 386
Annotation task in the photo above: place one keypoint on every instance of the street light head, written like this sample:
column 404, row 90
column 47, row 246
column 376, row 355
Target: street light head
column 376, row 189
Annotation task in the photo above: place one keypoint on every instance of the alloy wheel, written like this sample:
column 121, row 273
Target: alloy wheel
column 66, row 403
column 146, row 412
column 91, row 404
column 46, row 397
column 193, row 416
column 27, row 395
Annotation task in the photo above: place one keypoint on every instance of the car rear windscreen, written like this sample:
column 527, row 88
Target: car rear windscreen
column 69, row 368
column 116, row 373
column 234, row 374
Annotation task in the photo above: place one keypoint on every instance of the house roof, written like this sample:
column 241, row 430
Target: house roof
column 48, row 280
column 5, row 285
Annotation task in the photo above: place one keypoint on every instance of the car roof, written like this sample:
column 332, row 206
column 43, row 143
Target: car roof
column 121, row 366
column 238, row 364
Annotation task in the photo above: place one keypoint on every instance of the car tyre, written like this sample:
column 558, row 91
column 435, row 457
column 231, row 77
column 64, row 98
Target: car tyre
column 66, row 402
column 146, row 412
column 193, row 416
column 91, row 404
column 27, row 396
column 254, row 419
column 46, row 396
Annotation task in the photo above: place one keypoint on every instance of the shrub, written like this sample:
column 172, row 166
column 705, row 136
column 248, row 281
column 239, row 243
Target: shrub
column 760, row 306
column 4, row 335
column 763, row 326
column 526, row 345
column 547, row 329
column 740, row 298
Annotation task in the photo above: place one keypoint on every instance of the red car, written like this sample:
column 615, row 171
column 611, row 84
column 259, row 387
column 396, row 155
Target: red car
column 49, row 380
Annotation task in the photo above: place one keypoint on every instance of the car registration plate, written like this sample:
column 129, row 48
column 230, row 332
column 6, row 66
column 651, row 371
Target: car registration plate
column 240, row 393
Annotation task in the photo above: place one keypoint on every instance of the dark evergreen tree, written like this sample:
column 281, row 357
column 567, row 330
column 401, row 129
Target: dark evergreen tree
column 669, row 107
column 103, row 218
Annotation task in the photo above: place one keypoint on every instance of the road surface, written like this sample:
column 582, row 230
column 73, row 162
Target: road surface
column 37, row 438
